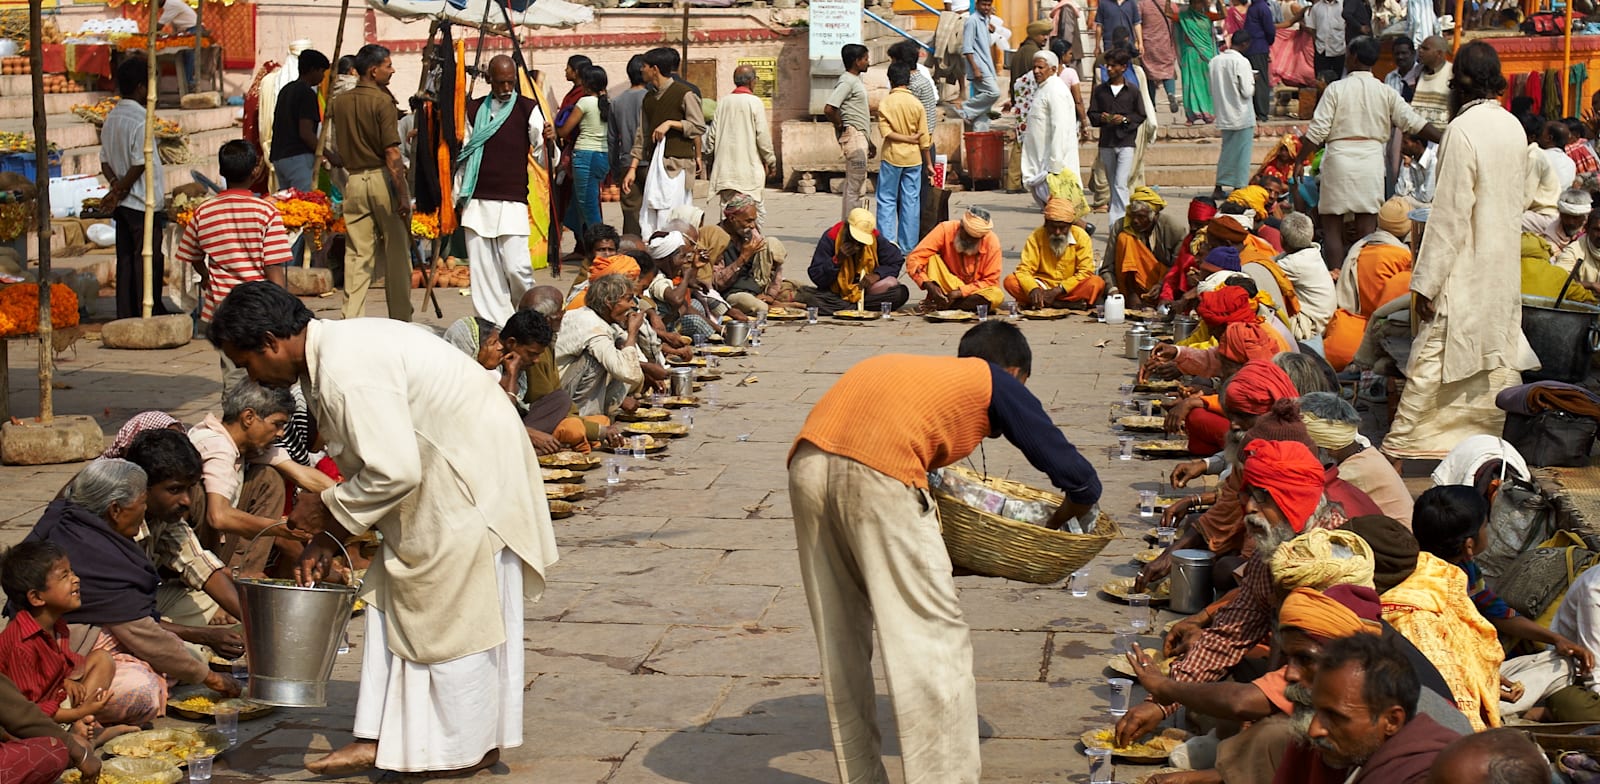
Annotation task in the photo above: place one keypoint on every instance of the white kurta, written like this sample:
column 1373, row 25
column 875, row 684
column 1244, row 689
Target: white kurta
column 497, row 240
column 1469, row 265
column 1050, row 145
column 741, row 140
column 435, row 457
column 1313, row 286
column 1354, row 120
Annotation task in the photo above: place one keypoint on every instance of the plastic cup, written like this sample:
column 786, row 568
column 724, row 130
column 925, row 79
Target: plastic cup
column 200, row 769
column 638, row 446
column 1165, row 537
column 1115, row 413
column 711, row 392
column 1011, row 310
column 983, row 312
column 1147, row 407
column 688, row 419
column 1121, row 690
column 228, row 721
column 713, row 363
column 1099, row 766
column 1078, row 585
column 241, row 671
column 883, row 309
column 1126, row 638
column 1127, row 395
column 1147, row 504
column 1124, row 447
column 811, row 315
column 613, row 472
column 699, row 341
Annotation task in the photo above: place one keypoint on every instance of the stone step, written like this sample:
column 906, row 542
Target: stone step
column 21, row 106
column 1164, row 153
column 203, row 147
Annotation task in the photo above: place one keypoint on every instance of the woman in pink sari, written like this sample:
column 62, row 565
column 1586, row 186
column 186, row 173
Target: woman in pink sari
column 1160, row 53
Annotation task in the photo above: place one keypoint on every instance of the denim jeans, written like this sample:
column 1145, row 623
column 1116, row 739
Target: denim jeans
column 589, row 169
column 899, row 203
column 1118, row 162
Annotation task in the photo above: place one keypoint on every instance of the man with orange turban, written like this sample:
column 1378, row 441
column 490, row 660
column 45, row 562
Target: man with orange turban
column 1291, row 478
column 958, row 264
column 1255, row 259
column 620, row 264
column 1057, row 266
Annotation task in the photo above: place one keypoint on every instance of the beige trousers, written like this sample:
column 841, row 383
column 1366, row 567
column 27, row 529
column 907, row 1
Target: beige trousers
column 871, row 553
column 853, row 144
column 375, row 235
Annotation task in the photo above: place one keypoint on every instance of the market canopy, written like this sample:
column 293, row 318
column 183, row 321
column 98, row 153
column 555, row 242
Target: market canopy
column 537, row 13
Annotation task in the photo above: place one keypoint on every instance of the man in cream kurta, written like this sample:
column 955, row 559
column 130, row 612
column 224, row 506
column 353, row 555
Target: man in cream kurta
column 1468, row 270
column 740, row 143
column 435, row 458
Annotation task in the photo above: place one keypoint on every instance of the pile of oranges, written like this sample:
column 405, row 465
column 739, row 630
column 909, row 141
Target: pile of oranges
column 15, row 66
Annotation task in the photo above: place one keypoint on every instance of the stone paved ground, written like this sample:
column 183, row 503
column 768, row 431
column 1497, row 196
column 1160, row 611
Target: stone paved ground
column 673, row 643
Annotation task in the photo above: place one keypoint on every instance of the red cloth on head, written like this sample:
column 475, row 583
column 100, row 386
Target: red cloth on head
column 1289, row 473
column 1361, row 600
column 1227, row 305
column 1243, row 342
column 1252, row 389
column 1200, row 212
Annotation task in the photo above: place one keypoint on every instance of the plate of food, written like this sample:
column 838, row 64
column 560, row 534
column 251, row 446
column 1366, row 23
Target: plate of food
column 1119, row 664
column 1046, row 314
column 560, row 475
column 668, row 429
column 691, row 362
column 562, row 492
column 653, row 444
column 645, row 415
column 1163, row 448
column 172, row 746
column 708, row 375
column 950, row 315
column 1147, row 555
column 577, row 461
column 1156, row 748
column 854, row 315
column 1121, row 587
column 1157, row 385
column 560, row 509
column 126, row 770
column 680, row 401
column 200, row 703
column 723, row 351
column 1143, row 424
column 785, row 314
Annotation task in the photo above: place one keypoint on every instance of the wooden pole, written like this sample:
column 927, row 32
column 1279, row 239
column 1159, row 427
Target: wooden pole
column 150, row 184
column 684, row 67
column 1566, row 66
column 41, row 162
column 199, row 21
column 1461, row 21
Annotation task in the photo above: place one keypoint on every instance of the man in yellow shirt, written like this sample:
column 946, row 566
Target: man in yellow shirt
column 1057, row 266
column 907, row 152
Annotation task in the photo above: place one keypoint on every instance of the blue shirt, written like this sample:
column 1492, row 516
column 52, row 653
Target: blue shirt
column 1112, row 15
column 1262, row 27
column 975, row 41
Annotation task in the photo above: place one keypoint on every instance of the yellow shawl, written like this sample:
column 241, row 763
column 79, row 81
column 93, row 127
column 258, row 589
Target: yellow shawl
column 848, row 284
column 1433, row 610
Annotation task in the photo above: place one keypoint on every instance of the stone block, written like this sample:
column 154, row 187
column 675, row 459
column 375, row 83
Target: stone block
column 147, row 333
column 65, row 439
column 309, row 281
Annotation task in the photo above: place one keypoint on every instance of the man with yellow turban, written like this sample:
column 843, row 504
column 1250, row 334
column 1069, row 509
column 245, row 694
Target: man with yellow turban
column 958, row 264
column 1332, row 424
column 1057, row 266
column 1144, row 245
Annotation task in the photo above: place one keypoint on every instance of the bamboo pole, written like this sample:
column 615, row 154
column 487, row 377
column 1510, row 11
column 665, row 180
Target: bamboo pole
column 199, row 27
column 150, row 184
column 41, row 162
column 1461, row 22
column 1566, row 65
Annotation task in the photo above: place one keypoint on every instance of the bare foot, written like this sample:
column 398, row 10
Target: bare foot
column 107, row 733
column 358, row 756
column 488, row 761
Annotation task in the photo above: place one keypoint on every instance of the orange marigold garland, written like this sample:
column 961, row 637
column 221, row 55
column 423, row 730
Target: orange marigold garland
column 19, row 308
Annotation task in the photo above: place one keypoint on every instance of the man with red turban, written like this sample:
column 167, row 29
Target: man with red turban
column 1176, row 283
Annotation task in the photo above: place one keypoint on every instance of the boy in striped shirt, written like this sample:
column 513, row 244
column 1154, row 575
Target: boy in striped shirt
column 236, row 236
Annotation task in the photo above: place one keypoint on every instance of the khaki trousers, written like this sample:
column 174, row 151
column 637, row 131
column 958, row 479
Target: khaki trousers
column 871, row 553
column 375, row 235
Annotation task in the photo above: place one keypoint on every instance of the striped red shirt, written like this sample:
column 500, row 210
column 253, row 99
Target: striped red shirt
column 236, row 235
column 38, row 661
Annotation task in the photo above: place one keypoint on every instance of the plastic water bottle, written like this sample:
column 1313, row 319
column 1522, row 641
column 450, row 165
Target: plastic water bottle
column 1115, row 309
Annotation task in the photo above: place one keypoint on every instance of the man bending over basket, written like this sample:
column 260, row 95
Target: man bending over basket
column 871, row 551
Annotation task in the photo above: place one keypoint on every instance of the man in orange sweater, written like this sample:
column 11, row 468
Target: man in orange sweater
column 870, row 548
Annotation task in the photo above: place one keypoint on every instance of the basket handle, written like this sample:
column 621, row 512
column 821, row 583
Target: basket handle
column 356, row 582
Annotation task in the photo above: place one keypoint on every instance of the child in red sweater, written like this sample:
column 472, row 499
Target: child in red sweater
column 35, row 651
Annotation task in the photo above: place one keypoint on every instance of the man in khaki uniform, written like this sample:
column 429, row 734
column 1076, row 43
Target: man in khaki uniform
column 377, row 203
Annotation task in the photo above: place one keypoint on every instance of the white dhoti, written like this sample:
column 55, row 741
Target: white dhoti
column 445, row 716
column 497, row 249
column 1434, row 415
column 1352, row 178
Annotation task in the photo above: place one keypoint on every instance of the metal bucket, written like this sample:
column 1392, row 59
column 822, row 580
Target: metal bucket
column 1147, row 344
column 1565, row 339
column 1131, row 340
column 292, row 634
column 735, row 333
column 681, row 381
column 1183, row 327
column 1191, row 580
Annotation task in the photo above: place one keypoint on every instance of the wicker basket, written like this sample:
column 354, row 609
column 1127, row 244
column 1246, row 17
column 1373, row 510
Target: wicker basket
column 992, row 545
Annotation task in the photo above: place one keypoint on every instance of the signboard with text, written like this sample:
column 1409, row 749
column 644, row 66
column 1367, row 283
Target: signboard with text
column 766, row 85
column 834, row 23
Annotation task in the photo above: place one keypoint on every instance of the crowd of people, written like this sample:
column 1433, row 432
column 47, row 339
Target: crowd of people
column 1358, row 635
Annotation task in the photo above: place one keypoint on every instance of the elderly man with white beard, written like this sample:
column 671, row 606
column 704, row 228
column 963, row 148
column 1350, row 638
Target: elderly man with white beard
column 1278, row 705
column 1050, row 143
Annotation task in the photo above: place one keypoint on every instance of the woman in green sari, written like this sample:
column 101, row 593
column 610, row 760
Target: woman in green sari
column 1197, row 44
